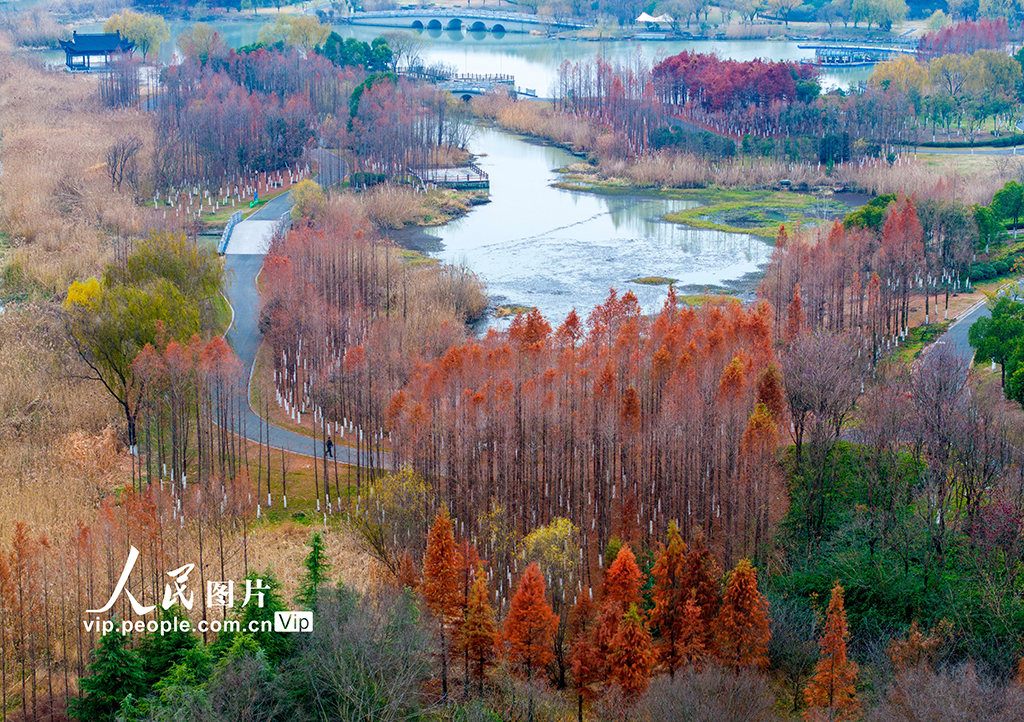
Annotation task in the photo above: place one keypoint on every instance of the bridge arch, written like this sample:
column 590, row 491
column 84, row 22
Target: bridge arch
column 466, row 97
column 417, row 25
column 478, row 27
column 498, row 29
column 434, row 24
column 454, row 24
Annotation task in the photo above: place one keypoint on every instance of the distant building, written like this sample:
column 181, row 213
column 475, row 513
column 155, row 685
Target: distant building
column 81, row 49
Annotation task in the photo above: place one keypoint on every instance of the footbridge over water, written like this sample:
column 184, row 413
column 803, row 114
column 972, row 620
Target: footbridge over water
column 467, row 86
column 466, row 19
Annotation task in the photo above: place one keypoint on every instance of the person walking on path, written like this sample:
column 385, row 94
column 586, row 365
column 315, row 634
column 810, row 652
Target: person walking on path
column 330, row 447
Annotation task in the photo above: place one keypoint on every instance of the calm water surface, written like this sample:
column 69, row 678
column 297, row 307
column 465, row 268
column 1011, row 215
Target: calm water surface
column 533, row 60
column 535, row 245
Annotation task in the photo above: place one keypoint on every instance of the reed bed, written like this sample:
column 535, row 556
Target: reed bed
column 57, row 206
column 393, row 207
column 34, row 28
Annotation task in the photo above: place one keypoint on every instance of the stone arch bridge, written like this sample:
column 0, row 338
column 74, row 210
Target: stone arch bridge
column 467, row 19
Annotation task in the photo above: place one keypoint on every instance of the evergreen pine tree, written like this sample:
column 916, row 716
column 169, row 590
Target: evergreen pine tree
column 116, row 674
column 160, row 652
column 317, row 568
column 277, row 646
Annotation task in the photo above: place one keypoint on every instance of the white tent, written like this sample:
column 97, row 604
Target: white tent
column 664, row 19
column 645, row 18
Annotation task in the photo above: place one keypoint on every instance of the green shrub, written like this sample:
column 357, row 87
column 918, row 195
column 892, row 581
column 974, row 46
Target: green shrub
column 979, row 272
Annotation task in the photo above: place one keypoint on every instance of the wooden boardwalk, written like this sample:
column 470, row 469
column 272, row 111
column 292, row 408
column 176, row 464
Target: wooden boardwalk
column 469, row 177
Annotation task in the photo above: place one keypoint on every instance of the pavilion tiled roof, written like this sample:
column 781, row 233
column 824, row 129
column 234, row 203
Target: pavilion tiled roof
column 96, row 44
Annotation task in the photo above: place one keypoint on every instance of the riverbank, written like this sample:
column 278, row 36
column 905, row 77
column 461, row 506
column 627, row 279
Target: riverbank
column 537, row 244
column 395, row 207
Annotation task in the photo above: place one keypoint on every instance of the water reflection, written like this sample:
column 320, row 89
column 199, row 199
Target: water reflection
column 533, row 60
column 540, row 246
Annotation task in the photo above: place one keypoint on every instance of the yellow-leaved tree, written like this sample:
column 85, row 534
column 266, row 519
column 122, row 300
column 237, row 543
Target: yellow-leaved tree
column 145, row 30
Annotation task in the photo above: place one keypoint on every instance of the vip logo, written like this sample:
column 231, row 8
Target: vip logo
column 293, row 621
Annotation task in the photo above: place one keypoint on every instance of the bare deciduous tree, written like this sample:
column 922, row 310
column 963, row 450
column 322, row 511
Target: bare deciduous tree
column 713, row 694
column 406, row 49
column 122, row 161
column 368, row 656
column 824, row 374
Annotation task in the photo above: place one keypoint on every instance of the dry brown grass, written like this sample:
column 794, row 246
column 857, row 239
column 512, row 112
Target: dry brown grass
column 391, row 207
column 445, row 157
column 57, row 452
column 57, row 206
column 968, row 179
column 58, row 219
column 33, row 28
column 538, row 119
column 282, row 549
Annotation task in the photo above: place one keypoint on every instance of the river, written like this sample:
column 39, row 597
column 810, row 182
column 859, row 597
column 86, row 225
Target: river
column 536, row 245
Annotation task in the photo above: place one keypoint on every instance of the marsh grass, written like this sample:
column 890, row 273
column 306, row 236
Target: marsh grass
column 653, row 281
column 396, row 206
column 58, row 210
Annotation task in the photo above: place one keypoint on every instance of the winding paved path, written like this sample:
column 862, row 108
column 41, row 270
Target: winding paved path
column 956, row 334
column 244, row 335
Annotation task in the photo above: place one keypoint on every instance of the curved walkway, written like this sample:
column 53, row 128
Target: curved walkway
column 244, row 337
column 956, row 335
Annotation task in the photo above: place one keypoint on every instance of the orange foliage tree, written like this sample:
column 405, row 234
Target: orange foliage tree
column 479, row 633
column 919, row 648
column 619, row 591
column 741, row 629
column 632, row 654
column 617, row 407
column 830, row 694
column 703, row 578
column 586, row 670
column 530, row 625
column 676, row 615
column 440, row 585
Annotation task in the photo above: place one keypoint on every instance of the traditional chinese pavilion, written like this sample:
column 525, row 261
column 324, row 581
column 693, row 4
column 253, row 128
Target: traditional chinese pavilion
column 81, row 49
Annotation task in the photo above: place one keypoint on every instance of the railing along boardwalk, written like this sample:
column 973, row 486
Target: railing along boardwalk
column 470, row 177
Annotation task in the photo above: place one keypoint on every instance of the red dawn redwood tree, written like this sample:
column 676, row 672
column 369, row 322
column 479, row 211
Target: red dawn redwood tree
column 632, row 654
column 530, row 627
column 831, row 695
column 440, row 586
column 741, row 628
column 670, row 597
column 479, row 633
